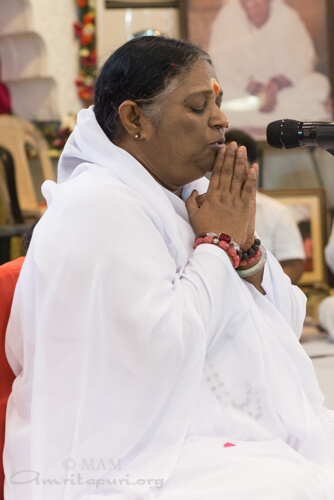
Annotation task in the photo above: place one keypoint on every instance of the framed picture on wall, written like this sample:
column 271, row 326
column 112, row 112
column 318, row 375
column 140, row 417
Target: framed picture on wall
column 272, row 57
column 308, row 208
column 119, row 21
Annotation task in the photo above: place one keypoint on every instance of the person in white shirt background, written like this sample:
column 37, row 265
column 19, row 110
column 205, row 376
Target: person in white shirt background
column 326, row 306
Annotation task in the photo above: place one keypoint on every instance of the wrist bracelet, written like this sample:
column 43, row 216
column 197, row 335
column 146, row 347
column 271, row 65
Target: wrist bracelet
column 252, row 253
column 223, row 241
column 258, row 266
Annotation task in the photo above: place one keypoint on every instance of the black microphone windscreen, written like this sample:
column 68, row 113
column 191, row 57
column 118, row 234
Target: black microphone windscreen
column 283, row 134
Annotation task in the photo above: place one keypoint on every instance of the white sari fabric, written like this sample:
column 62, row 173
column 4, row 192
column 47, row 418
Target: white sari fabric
column 242, row 53
column 138, row 359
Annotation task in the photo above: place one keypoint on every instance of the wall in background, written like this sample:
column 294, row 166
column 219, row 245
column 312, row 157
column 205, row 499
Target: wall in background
column 54, row 22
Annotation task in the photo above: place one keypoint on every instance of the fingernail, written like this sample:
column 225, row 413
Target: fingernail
column 252, row 173
column 241, row 152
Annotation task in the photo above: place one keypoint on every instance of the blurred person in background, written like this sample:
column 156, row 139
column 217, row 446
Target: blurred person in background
column 326, row 306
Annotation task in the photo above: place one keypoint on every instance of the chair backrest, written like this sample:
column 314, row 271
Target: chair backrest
column 5, row 206
column 15, row 135
column 8, row 193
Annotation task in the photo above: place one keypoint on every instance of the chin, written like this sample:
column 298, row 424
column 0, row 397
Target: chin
column 207, row 164
column 210, row 168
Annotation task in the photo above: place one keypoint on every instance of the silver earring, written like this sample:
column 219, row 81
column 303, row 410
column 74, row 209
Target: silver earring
column 137, row 136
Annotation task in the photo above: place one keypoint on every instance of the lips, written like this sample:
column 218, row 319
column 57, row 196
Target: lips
column 219, row 142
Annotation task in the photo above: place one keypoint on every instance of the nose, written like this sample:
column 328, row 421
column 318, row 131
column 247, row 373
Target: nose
column 219, row 120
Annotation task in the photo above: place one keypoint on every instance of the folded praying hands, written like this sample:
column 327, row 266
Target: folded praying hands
column 229, row 204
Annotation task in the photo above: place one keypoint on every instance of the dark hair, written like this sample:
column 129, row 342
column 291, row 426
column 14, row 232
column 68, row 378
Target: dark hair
column 243, row 139
column 141, row 70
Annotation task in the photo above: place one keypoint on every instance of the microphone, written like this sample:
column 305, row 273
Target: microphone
column 289, row 134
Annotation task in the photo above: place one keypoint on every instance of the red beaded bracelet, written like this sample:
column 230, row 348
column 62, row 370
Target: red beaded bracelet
column 223, row 241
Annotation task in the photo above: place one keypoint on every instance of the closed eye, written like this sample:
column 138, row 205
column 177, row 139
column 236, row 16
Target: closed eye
column 199, row 111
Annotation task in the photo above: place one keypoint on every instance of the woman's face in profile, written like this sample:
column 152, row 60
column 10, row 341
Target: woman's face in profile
column 257, row 11
column 191, row 131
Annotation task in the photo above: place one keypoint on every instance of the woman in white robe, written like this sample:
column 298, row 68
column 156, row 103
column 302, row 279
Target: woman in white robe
column 145, row 368
column 261, row 48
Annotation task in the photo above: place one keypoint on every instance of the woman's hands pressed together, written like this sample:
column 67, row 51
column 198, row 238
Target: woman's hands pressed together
column 229, row 204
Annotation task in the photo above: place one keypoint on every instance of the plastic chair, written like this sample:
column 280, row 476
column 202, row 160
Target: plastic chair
column 11, row 221
column 15, row 135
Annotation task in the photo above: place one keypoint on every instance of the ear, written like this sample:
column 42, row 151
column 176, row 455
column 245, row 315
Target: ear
column 132, row 118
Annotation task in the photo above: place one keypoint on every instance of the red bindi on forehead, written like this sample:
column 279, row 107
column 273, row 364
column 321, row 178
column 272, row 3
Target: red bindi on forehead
column 215, row 85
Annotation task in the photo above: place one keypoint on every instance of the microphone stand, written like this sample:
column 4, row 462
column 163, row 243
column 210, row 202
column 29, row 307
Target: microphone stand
column 316, row 166
column 330, row 150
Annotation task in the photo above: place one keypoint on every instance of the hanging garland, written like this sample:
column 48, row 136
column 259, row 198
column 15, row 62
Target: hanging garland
column 85, row 31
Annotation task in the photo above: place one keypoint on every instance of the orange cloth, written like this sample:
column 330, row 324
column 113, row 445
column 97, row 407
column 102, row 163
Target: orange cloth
column 9, row 274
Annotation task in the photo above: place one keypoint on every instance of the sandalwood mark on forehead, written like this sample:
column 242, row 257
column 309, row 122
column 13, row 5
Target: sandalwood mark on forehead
column 215, row 85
